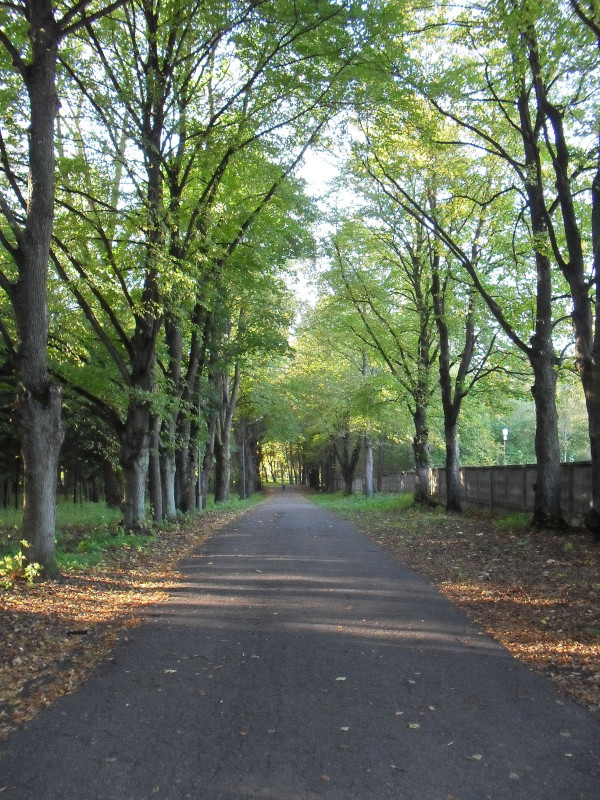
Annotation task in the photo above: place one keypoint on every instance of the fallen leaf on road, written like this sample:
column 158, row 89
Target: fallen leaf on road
column 340, row 679
column 414, row 725
column 475, row 757
column 345, row 728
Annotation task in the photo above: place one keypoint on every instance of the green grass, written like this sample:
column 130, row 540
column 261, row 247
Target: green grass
column 514, row 522
column 380, row 502
column 87, row 533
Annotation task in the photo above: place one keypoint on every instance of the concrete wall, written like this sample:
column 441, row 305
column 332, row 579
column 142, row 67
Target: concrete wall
column 502, row 490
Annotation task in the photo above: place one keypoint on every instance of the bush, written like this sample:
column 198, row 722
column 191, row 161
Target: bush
column 16, row 567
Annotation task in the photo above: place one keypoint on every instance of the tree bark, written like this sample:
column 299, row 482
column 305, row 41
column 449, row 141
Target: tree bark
column 222, row 466
column 547, row 510
column 347, row 460
column 207, row 458
column 113, row 485
column 229, row 392
column 155, row 482
column 586, row 306
column 543, row 360
column 38, row 401
column 369, row 484
column 41, row 437
column 135, row 439
column 453, row 495
column 421, row 450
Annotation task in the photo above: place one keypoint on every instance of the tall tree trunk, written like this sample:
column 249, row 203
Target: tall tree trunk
column 168, row 470
column 421, row 450
column 207, row 458
column 242, row 457
column 41, row 437
column 113, row 485
column 347, row 460
column 155, row 481
column 39, row 401
column 369, row 485
column 586, row 305
column 330, row 477
column 189, row 491
column 229, row 392
column 222, row 466
column 183, row 475
column 135, row 440
column 547, row 511
column 452, row 397
column 453, row 499
column 380, row 462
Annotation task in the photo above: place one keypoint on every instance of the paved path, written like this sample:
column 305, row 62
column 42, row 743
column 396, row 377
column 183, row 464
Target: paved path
column 298, row 661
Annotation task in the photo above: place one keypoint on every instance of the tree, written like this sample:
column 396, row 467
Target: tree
column 484, row 96
column 206, row 123
column 465, row 343
column 383, row 271
column 31, row 36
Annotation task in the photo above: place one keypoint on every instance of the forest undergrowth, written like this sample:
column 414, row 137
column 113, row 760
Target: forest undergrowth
column 536, row 592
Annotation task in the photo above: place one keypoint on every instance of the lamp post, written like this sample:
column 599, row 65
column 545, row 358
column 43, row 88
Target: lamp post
column 504, row 438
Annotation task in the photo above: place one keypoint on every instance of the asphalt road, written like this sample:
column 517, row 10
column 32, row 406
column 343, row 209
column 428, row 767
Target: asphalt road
column 298, row 661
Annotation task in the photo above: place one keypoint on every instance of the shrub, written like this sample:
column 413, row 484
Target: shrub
column 17, row 568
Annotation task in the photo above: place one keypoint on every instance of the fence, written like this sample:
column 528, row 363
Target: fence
column 502, row 490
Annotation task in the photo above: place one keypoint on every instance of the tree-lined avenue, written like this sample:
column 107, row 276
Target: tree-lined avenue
column 296, row 660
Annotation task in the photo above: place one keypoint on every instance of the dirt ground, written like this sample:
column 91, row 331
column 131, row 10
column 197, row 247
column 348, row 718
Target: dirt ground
column 537, row 593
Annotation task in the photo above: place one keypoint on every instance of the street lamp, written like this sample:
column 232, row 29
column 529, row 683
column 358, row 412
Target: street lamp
column 504, row 438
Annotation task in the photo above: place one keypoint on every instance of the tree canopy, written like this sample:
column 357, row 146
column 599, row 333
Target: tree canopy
column 152, row 212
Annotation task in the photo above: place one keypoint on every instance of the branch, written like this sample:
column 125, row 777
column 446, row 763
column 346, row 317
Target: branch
column 67, row 27
column 91, row 317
